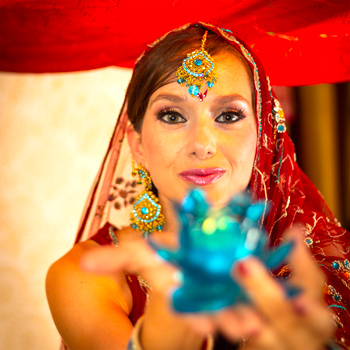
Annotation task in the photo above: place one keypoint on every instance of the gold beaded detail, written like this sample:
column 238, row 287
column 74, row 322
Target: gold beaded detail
column 278, row 115
column 146, row 215
column 195, row 68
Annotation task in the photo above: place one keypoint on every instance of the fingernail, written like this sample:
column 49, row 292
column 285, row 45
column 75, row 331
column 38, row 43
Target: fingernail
column 300, row 309
column 242, row 269
column 253, row 332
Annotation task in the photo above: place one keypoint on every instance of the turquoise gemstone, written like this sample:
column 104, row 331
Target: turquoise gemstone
column 144, row 210
column 281, row 128
column 180, row 81
column 159, row 227
column 133, row 226
column 193, row 90
column 210, row 84
column 336, row 297
column 197, row 62
column 335, row 265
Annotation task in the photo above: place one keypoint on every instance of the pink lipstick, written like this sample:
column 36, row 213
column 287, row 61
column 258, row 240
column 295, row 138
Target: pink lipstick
column 202, row 177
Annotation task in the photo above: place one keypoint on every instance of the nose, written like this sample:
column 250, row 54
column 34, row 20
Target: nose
column 202, row 142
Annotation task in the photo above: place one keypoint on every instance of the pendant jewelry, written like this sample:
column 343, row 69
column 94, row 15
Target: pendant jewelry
column 196, row 67
column 146, row 215
column 278, row 115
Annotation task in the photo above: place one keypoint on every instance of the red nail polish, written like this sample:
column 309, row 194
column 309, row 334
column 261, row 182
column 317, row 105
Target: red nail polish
column 242, row 269
column 254, row 332
column 300, row 309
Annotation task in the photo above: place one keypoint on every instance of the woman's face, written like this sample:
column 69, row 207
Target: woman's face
column 185, row 143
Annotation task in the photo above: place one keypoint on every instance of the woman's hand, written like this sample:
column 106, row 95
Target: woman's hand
column 161, row 327
column 134, row 256
column 272, row 322
column 276, row 322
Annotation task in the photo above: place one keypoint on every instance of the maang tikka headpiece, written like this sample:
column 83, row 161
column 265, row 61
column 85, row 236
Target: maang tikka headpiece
column 196, row 67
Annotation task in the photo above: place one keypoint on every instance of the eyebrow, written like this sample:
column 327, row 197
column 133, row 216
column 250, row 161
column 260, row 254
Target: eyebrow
column 229, row 98
column 219, row 99
column 170, row 97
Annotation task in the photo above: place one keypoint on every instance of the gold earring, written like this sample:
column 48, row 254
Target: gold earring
column 146, row 215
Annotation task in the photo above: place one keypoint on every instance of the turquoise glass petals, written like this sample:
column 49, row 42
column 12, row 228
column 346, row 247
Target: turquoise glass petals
column 211, row 241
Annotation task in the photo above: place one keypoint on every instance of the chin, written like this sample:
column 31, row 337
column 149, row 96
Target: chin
column 216, row 198
column 220, row 197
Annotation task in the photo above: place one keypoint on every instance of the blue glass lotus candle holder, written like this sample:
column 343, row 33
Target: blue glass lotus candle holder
column 211, row 241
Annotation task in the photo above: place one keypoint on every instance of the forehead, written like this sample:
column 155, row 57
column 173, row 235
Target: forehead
column 233, row 75
column 233, row 79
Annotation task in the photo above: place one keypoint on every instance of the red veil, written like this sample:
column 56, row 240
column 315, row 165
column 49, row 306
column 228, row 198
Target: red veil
column 306, row 39
column 276, row 178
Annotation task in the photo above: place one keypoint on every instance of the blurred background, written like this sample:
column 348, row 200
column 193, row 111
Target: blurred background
column 54, row 130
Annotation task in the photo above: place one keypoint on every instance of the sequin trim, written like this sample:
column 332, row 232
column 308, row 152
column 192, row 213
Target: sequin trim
column 113, row 237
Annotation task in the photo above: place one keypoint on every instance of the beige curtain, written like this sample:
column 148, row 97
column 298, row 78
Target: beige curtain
column 54, row 131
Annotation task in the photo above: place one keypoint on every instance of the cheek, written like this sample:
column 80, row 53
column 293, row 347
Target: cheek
column 242, row 149
column 161, row 150
column 250, row 146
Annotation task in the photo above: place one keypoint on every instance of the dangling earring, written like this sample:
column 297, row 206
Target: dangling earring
column 146, row 215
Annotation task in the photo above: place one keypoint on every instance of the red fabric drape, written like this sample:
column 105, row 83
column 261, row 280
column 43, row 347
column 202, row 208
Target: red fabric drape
column 299, row 42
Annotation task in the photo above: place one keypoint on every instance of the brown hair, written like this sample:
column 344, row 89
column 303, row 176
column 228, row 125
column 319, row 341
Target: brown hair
column 158, row 66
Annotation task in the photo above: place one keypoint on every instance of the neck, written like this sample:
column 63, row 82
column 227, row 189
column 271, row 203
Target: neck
column 170, row 232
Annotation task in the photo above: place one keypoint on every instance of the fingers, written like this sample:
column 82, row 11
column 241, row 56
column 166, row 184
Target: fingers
column 267, row 339
column 106, row 260
column 264, row 291
column 239, row 322
column 201, row 323
column 305, row 272
column 134, row 257
column 314, row 318
column 302, row 320
column 244, row 324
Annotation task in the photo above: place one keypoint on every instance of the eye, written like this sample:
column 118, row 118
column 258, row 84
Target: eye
column 229, row 117
column 171, row 117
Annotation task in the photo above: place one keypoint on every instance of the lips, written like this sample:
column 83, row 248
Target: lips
column 202, row 177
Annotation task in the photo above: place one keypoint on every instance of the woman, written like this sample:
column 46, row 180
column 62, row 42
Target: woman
column 227, row 136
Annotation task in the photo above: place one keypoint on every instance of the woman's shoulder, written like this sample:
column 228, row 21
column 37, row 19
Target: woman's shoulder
column 79, row 300
column 65, row 274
